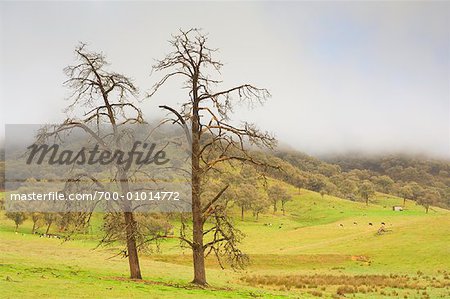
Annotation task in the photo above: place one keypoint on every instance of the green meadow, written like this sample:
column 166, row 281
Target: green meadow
column 324, row 247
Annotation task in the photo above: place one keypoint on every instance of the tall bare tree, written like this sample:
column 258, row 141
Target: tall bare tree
column 108, row 98
column 205, row 117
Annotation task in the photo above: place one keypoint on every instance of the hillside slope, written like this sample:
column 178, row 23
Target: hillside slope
column 317, row 241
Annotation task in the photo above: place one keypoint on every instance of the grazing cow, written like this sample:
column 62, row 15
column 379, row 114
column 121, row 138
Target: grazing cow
column 341, row 225
column 370, row 223
column 382, row 223
column 355, row 223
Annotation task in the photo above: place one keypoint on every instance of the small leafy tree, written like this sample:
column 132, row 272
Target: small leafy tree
column 417, row 190
column 36, row 217
column 273, row 192
column 316, row 183
column 49, row 219
column 17, row 217
column 384, row 183
column 366, row 191
column 259, row 204
column 348, row 188
column 322, row 192
column 279, row 193
column 246, row 197
column 406, row 192
column 430, row 197
column 299, row 182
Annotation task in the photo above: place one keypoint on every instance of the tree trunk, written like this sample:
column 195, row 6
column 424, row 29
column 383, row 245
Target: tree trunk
column 198, row 251
column 34, row 228
column 133, row 259
column 282, row 208
column 48, row 228
column 17, row 227
column 242, row 213
column 426, row 209
column 274, row 206
column 130, row 229
column 197, row 248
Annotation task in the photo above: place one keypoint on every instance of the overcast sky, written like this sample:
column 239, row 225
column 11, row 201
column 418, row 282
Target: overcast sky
column 347, row 76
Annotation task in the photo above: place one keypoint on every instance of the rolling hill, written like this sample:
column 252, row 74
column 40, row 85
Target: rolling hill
column 322, row 247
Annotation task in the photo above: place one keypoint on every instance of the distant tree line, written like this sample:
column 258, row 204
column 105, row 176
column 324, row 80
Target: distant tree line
column 424, row 181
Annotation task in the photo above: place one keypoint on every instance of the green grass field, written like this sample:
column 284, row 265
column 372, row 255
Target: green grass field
column 322, row 247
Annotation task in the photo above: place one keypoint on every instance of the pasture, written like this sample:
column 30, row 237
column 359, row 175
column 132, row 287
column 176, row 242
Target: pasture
column 323, row 247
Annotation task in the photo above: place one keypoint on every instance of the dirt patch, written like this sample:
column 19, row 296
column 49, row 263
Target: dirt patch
column 360, row 258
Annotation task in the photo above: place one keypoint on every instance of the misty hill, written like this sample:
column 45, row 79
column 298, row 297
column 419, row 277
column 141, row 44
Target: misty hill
column 427, row 172
column 424, row 180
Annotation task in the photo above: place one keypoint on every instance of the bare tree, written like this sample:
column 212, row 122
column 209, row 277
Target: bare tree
column 107, row 96
column 205, row 118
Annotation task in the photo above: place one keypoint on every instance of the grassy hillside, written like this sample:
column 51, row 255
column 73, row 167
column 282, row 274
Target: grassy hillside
column 321, row 247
